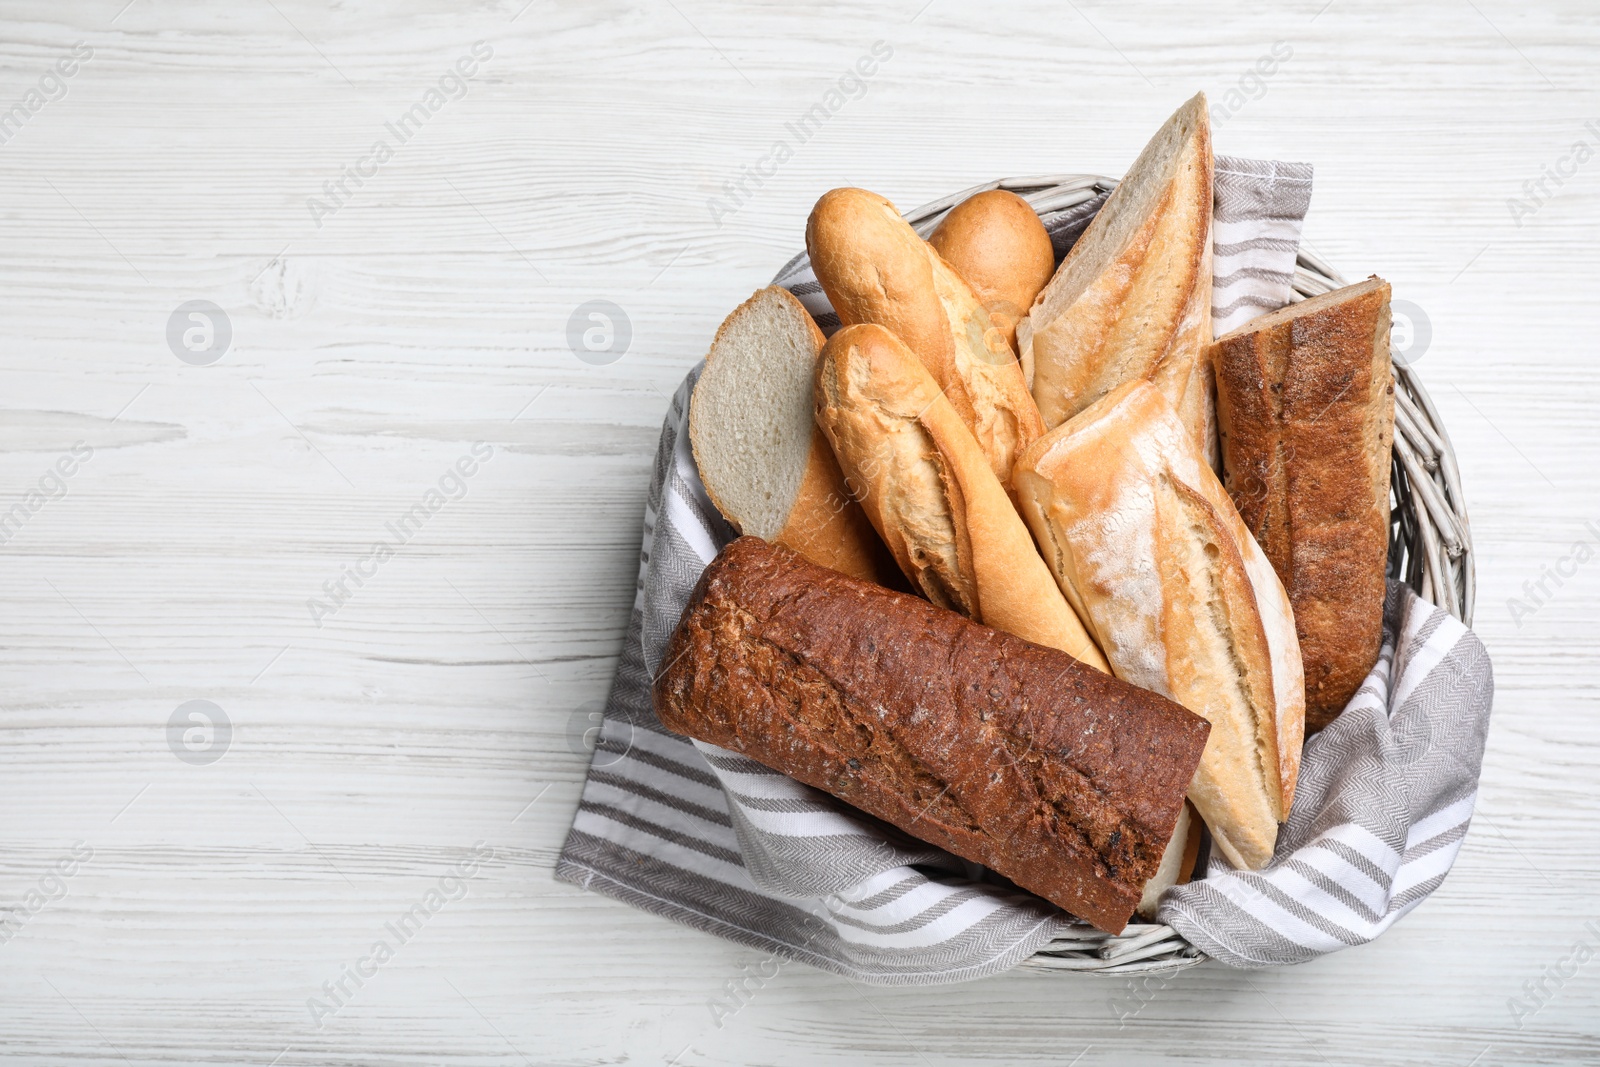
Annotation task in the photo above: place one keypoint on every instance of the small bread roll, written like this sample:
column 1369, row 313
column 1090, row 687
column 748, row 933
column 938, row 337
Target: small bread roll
column 996, row 242
column 929, row 492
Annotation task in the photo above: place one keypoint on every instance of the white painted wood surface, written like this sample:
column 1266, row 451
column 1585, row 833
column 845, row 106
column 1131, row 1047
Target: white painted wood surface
column 443, row 704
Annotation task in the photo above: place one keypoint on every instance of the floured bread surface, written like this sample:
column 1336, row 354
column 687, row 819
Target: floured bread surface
column 750, row 422
column 1146, row 545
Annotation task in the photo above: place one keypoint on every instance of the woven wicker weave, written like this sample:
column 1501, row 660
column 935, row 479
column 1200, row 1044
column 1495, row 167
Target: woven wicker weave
column 1430, row 547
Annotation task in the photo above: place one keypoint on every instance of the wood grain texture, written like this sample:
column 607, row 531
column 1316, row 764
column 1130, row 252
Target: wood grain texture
column 430, row 311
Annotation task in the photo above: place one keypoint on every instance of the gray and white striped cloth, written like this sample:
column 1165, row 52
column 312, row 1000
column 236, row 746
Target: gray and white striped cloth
column 1381, row 809
column 1258, row 207
column 717, row 841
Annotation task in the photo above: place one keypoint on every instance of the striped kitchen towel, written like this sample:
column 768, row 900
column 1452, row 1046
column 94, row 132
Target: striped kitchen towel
column 717, row 841
column 1258, row 208
column 1381, row 809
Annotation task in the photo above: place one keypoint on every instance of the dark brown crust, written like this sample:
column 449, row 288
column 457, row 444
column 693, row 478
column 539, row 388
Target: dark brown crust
column 1305, row 402
column 1063, row 779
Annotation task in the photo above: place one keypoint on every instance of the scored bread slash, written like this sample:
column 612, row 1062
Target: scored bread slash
column 1065, row 780
column 1133, row 297
column 760, row 456
column 1147, row 546
column 927, row 488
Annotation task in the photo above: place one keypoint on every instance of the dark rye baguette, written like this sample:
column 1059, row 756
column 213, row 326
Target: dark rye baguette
column 1016, row 756
column 1305, row 403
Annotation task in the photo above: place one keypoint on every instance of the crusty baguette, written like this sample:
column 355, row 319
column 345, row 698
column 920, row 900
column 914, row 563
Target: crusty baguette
column 1133, row 297
column 996, row 242
column 1148, row 548
column 760, row 455
column 875, row 269
column 1063, row 779
column 928, row 491
column 1305, row 400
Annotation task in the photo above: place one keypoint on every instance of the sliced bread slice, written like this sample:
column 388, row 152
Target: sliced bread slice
column 764, row 463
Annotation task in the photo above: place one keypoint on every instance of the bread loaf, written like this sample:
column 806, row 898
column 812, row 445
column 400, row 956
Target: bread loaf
column 1305, row 400
column 1148, row 548
column 1132, row 299
column 927, row 489
column 760, row 455
column 1005, row 753
column 875, row 269
column 996, row 242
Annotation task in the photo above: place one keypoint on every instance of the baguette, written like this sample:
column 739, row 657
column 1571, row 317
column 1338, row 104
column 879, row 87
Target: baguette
column 760, row 455
column 1305, row 400
column 996, row 242
column 1133, row 297
column 1005, row 753
column 1148, row 548
column 875, row 269
column 927, row 489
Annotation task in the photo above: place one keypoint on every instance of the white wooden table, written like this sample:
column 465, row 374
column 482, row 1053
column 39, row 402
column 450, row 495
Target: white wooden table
column 380, row 331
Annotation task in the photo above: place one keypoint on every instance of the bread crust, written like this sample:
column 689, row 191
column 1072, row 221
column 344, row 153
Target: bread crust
column 1006, row 753
column 875, row 269
column 928, row 490
column 1138, row 306
column 1147, row 546
column 996, row 242
column 1305, row 400
column 824, row 523
column 827, row 526
column 1177, row 863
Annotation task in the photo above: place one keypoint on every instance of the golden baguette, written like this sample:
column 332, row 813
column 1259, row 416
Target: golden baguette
column 875, row 269
column 927, row 488
column 1132, row 299
column 996, row 242
column 1150, row 552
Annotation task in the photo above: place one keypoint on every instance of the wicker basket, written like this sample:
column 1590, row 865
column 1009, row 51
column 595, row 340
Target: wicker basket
column 1430, row 546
